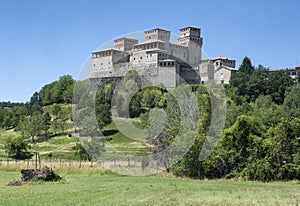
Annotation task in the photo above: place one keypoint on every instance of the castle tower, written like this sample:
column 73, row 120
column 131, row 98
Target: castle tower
column 125, row 44
column 157, row 34
column 191, row 37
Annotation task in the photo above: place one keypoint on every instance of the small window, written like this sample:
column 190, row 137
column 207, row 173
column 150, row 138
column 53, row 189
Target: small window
column 222, row 76
column 141, row 57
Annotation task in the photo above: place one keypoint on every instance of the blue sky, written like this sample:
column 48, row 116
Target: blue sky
column 42, row 40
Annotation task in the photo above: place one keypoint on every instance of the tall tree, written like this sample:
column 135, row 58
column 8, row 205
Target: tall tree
column 32, row 126
column 103, row 105
column 36, row 99
column 47, row 123
column 17, row 147
column 246, row 66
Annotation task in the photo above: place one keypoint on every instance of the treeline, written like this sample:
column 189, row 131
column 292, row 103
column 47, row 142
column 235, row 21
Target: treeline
column 261, row 140
column 57, row 92
column 47, row 113
column 262, row 129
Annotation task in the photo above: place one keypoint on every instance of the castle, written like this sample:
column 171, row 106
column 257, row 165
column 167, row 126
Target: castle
column 159, row 60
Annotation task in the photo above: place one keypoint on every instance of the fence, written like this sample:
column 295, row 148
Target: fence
column 119, row 166
column 63, row 163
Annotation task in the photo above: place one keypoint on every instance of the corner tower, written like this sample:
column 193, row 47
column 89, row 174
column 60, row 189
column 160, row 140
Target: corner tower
column 191, row 37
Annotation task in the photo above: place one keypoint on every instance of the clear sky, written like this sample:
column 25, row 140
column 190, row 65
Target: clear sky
column 43, row 40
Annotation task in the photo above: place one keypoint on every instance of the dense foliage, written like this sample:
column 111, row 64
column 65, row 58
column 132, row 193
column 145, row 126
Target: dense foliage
column 261, row 140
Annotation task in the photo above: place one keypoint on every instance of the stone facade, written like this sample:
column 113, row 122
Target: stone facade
column 159, row 60
column 219, row 69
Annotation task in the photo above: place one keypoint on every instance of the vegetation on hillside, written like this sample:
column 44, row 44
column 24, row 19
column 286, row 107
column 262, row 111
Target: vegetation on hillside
column 260, row 140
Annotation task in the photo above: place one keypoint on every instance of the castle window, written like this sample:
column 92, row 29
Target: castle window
column 133, row 58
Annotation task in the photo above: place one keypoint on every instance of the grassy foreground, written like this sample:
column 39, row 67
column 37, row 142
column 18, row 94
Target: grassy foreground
column 106, row 189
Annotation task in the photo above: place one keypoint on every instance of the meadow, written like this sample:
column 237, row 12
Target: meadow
column 97, row 187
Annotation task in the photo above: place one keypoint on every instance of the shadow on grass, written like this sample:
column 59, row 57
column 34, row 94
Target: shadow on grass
column 109, row 132
column 22, row 156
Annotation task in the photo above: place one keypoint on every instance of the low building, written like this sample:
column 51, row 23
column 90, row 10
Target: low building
column 219, row 69
column 292, row 72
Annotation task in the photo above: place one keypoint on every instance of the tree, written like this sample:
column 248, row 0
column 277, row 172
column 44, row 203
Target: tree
column 8, row 118
column 153, row 97
column 199, row 161
column 56, row 110
column 36, row 99
column 284, row 149
column 81, row 152
column 172, row 129
column 32, row 126
column 59, row 92
column 251, row 83
column 246, row 66
column 91, row 137
column 47, row 94
column 17, row 147
column 266, row 110
column 241, row 143
column 47, row 123
column 278, row 83
column 103, row 105
column 292, row 101
column 63, row 90
column 124, row 93
column 134, row 76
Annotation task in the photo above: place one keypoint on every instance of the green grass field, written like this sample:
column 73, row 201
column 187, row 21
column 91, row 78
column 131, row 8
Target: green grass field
column 61, row 147
column 92, row 188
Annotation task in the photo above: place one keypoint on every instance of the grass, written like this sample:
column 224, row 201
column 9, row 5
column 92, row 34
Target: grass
column 61, row 147
column 128, row 146
column 95, row 186
column 100, row 188
column 63, row 140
